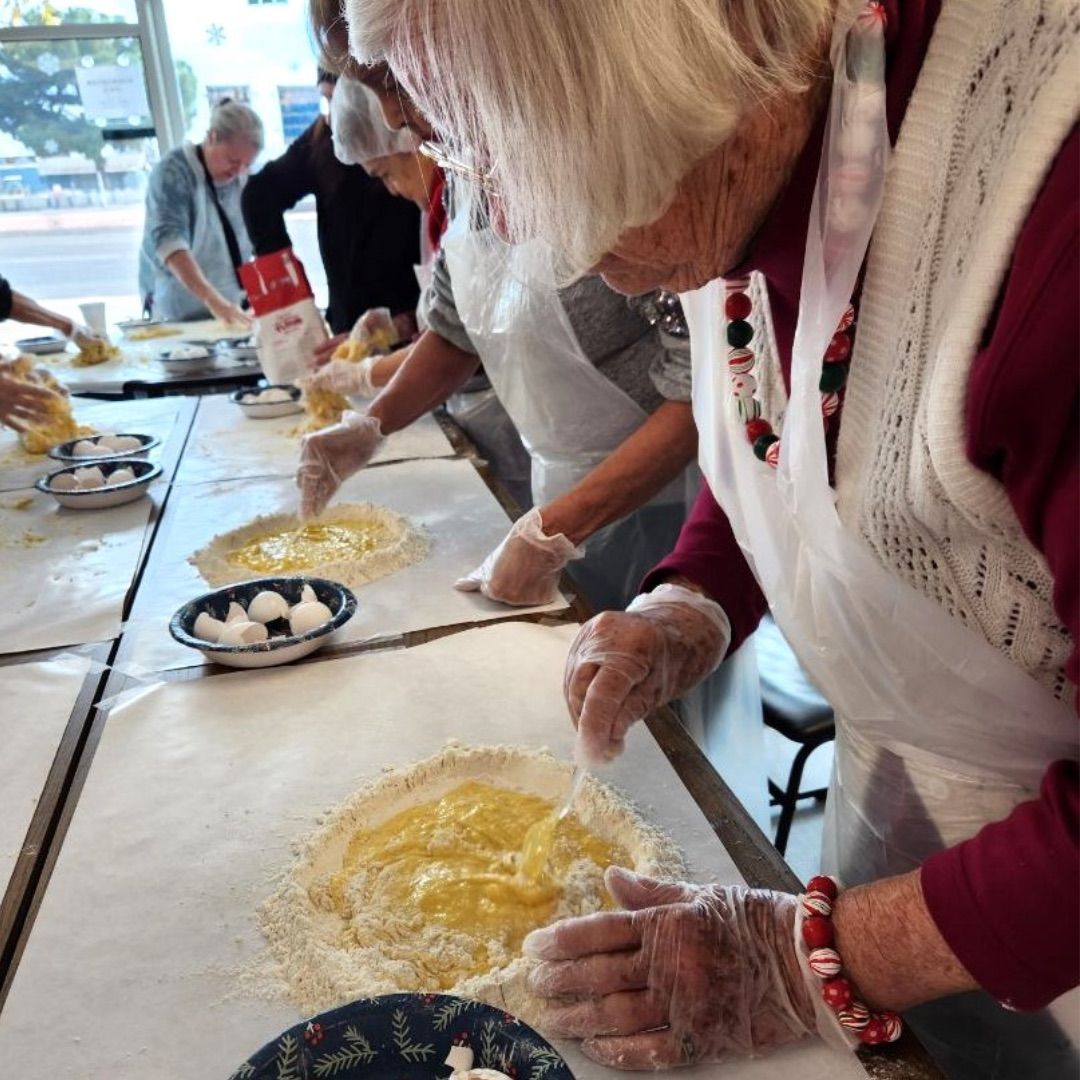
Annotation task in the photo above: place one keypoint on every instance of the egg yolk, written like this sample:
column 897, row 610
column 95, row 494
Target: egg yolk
column 458, row 862
column 289, row 550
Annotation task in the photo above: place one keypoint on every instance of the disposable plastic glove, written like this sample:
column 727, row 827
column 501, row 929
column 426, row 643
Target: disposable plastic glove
column 83, row 336
column 24, row 401
column 684, row 974
column 524, row 569
column 624, row 664
column 329, row 457
column 346, row 377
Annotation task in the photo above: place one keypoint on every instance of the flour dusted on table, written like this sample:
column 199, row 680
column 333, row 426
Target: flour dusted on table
column 353, row 543
column 333, row 940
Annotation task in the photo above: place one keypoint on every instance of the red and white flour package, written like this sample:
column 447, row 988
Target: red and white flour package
column 289, row 323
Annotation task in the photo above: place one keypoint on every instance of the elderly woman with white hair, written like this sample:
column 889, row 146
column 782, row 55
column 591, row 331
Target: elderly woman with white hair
column 194, row 238
column 870, row 211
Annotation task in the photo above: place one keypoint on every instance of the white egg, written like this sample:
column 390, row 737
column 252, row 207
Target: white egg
column 274, row 395
column 235, row 613
column 250, row 399
column 267, row 606
column 207, row 627
column 85, row 448
column 186, row 352
column 307, row 595
column 243, row 632
column 89, row 478
column 64, row 482
column 123, row 444
column 307, row 616
column 121, row 476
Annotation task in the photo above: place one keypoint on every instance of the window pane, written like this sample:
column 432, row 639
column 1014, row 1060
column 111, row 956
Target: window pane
column 49, row 13
column 76, row 145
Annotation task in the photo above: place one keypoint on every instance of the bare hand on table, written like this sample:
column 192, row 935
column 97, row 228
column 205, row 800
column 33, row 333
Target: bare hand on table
column 23, row 402
column 329, row 457
column 624, row 664
column 228, row 313
column 324, row 351
column 683, row 974
column 524, row 569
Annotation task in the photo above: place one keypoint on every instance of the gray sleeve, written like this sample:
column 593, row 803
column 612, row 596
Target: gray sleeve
column 438, row 310
column 170, row 206
column 615, row 335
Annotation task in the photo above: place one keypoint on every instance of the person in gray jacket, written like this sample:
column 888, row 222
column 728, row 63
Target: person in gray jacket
column 194, row 238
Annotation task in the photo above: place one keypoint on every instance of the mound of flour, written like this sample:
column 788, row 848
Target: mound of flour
column 405, row 544
column 319, row 961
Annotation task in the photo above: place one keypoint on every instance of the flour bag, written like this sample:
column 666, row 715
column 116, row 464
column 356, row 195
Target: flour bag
column 289, row 323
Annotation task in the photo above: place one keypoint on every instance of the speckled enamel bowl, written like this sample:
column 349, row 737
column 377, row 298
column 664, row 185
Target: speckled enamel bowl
column 276, row 650
column 267, row 410
column 65, row 450
column 104, row 497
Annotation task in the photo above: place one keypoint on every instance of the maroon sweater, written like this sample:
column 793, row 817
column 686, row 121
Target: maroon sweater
column 1007, row 900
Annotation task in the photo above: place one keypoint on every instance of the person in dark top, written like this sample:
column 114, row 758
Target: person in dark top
column 368, row 239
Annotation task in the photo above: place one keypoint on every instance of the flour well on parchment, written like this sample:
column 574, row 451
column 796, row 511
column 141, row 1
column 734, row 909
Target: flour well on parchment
column 320, row 962
column 406, row 545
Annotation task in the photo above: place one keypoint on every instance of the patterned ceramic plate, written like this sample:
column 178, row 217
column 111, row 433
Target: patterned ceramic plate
column 404, row 1037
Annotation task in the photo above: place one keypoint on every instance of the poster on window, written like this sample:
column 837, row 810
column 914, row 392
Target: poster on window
column 112, row 92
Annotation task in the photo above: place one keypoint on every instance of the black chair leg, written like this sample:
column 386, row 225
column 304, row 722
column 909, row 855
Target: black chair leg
column 790, row 799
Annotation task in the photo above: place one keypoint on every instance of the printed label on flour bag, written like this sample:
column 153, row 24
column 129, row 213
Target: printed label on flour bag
column 289, row 323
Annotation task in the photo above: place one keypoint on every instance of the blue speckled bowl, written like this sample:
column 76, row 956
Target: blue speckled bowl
column 405, row 1035
column 277, row 650
column 64, row 451
column 102, row 498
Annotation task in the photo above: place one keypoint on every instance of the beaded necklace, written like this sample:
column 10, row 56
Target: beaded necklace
column 741, row 362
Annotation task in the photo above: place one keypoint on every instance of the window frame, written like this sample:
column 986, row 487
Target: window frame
column 162, row 89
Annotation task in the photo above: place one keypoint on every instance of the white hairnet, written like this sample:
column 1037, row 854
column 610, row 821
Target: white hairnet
column 360, row 132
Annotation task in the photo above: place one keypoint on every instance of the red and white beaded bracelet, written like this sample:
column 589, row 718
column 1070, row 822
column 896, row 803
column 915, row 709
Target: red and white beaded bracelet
column 836, row 991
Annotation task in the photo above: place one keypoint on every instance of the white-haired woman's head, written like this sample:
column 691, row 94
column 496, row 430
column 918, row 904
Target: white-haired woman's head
column 586, row 114
column 233, row 140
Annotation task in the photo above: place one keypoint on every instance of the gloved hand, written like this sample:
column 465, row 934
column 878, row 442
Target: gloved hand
column 524, row 569
column 329, row 457
column 24, row 400
column 624, row 664
column 83, row 336
column 683, row 974
column 346, row 377
column 377, row 329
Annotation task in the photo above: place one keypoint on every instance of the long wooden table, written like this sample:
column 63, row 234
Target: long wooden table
column 751, row 851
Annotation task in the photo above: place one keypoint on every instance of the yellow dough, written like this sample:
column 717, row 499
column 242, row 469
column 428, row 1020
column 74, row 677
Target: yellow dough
column 59, row 425
column 285, row 551
column 96, row 352
column 456, row 863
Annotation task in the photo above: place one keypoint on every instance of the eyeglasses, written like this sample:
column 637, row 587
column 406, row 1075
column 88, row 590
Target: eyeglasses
column 483, row 180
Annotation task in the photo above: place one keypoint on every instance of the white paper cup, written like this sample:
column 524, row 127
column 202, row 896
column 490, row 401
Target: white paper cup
column 94, row 316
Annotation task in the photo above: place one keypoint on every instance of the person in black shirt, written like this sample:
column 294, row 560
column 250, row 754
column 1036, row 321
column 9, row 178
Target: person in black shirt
column 368, row 239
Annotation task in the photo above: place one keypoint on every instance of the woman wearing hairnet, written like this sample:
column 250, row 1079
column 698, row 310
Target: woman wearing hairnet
column 870, row 210
column 593, row 389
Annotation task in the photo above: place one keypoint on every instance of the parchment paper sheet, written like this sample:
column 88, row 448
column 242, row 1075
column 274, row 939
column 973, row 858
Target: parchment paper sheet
column 225, row 444
column 66, row 572
column 194, row 795
column 448, row 498
column 151, row 416
column 35, row 703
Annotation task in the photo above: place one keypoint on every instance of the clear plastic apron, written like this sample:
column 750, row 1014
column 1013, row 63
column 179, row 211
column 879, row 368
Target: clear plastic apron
column 570, row 417
column 937, row 732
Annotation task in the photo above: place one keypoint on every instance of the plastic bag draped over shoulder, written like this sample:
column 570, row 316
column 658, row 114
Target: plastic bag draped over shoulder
column 360, row 132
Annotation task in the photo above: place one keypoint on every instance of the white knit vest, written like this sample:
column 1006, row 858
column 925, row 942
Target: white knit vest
column 995, row 99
